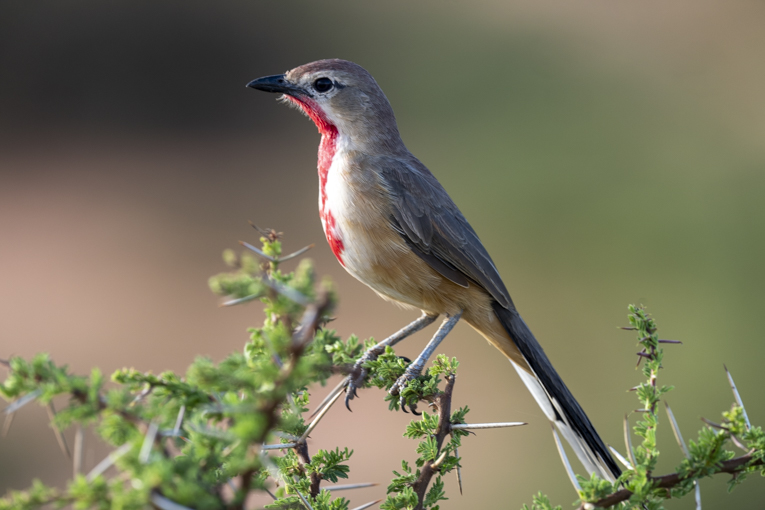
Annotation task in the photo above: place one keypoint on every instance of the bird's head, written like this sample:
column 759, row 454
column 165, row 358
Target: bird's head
column 338, row 96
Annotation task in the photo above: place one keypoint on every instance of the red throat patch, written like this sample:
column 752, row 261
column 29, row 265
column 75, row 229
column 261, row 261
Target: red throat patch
column 327, row 150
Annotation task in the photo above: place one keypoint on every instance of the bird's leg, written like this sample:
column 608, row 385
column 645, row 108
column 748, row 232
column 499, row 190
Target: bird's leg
column 358, row 373
column 415, row 368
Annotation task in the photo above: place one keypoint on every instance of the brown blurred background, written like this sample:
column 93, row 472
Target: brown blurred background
column 606, row 153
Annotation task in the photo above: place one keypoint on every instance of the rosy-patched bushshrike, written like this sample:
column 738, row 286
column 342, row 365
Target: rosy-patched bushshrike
column 392, row 225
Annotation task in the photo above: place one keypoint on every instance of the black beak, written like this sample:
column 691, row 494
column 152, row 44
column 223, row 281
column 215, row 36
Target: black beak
column 278, row 84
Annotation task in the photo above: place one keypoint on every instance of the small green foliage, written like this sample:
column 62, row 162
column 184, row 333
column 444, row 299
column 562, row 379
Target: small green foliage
column 34, row 497
column 343, row 353
column 406, row 499
column 646, row 454
column 437, row 448
column 735, row 422
column 707, row 455
column 400, row 491
column 213, row 421
column 442, row 365
column 325, row 501
column 435, row 494
column 425, row 426
column 229, row 409
column 388, row 368
column 428, row 450
column 541, row 502
column 594, row 488
column 329, row 464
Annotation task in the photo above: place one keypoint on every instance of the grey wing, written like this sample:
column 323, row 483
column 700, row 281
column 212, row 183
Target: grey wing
column 435, row 229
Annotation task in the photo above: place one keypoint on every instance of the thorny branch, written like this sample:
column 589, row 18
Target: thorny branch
column 300, row 339
column 707, row 457
column 732, row 466
column 306, row 472
column 443, row 401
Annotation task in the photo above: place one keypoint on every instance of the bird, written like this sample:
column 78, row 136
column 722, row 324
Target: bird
column 393, row 226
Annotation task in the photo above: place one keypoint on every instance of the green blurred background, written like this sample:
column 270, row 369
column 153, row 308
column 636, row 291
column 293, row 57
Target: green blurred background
column 606, row 152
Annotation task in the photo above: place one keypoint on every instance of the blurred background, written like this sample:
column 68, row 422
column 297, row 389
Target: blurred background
column 606, row 153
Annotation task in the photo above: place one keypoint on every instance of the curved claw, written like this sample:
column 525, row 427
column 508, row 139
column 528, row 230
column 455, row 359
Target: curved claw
column 412, row 407
column 355, row 379
column 399, row 386
column 351, row 389
column 348, row 398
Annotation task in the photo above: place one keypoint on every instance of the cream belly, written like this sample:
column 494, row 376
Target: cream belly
column 355, row 206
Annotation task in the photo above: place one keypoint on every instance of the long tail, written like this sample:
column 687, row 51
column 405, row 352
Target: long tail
column 555, row 399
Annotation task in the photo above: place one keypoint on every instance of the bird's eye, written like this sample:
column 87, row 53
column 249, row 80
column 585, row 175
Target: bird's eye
column 322, row 84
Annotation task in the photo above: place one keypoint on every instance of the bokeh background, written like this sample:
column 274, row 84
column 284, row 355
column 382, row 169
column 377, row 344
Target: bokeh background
column 606, row 152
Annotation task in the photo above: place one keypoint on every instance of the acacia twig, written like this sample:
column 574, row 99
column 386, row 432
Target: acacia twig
column 731, row 466
column 444, row 403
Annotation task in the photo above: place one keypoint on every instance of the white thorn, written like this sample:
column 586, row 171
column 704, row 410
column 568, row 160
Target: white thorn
column 305, row 501
column 142, row 394
column 738, row 398
column 252, row 248
column 108, row 461
column 295, row 254
column 468, row 426
column 18, row 404
column 239, row 301
column 439, row 460
column 367, row 505
column 337, row 389
column 278, row 446
column 676, row 430
column 698, row 494
column 319, row 416
column 459, row 470
column 77, row 461
column 230, row 448
column 179, row 420
column 351, row 486
column 166, row 504
column 57, row 432
column 628, row 441
column 148, row 442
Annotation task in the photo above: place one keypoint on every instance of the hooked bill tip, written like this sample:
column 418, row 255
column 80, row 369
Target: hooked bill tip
column 276, row 83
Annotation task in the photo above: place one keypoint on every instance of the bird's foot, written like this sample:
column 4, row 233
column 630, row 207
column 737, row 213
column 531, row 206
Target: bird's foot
column 358, row 373
column 412, row 372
